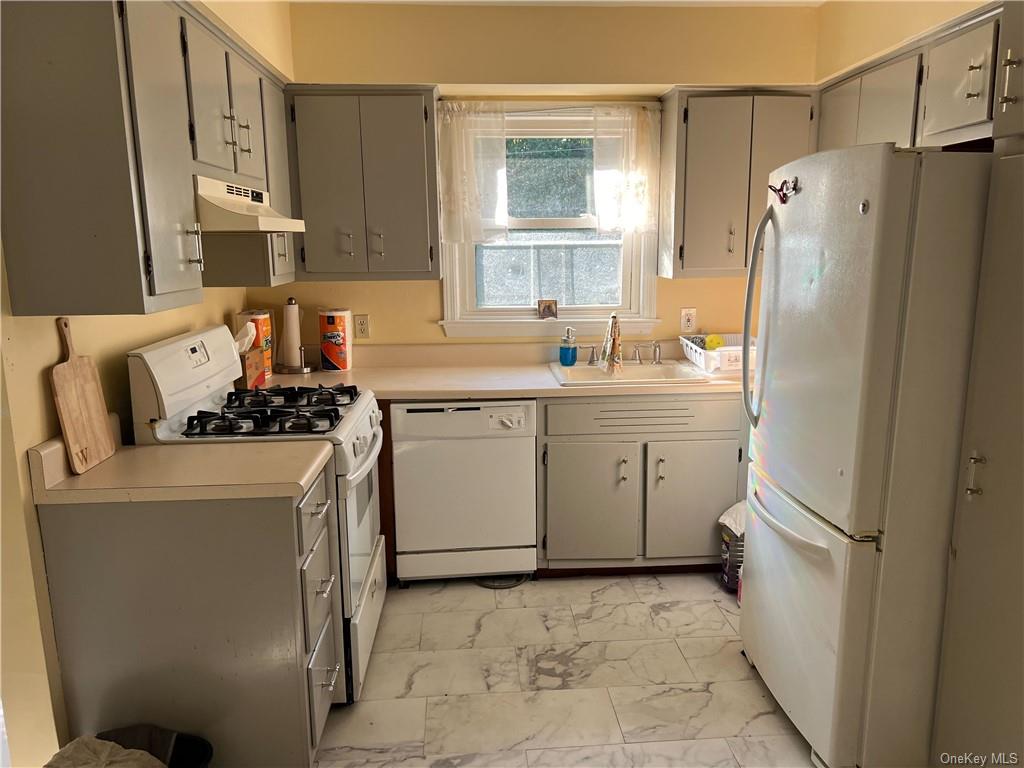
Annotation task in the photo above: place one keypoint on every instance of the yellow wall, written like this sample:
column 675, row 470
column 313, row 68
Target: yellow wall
column 851, row 33
column 266, row 26
column 503, row 44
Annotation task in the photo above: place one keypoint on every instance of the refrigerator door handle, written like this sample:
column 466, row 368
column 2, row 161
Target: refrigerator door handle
column 748, row 311
column 812, row 548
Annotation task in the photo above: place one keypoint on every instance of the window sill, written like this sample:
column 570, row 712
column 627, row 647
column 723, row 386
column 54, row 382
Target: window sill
column 551, row 328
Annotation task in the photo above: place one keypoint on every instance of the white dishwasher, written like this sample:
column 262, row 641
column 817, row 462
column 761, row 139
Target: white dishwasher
column 465, row 488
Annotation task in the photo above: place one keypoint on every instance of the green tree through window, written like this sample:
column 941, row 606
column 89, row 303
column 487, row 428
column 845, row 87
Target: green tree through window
column 549, row 177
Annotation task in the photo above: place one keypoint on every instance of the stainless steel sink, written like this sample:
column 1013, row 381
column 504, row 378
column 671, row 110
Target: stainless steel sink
column 669, row 372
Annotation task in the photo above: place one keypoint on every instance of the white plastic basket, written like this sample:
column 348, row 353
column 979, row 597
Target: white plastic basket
column 726, row 358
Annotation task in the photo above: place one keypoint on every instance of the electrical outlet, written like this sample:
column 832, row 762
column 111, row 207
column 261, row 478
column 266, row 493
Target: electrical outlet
column 688, row 320
column 362, row 326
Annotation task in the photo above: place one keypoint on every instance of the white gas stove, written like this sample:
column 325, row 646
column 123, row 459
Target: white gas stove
column 183, row 392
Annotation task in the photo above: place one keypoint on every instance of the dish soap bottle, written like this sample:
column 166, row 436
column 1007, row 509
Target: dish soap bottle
column 567, row 351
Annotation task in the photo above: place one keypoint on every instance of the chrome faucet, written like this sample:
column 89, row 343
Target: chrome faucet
column 655, row 348
column 593, row 352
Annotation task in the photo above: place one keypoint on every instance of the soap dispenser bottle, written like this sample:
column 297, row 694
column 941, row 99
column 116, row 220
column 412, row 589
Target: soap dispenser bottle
column 567, row 351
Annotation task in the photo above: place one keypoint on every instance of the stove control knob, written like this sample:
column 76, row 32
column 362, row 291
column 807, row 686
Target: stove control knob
column 374, row 419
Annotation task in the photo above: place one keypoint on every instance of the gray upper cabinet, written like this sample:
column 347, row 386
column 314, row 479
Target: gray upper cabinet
column 837, row 126
column 225, row 107
column 781, row 133
column 879, row 106
column 717, row 182
column 209, row 97
column 367, row 179
column 888, row 103
column 1008, row 112
column 331, row 183
column 958, row 87
column 259, row 259
column 247, row 102
column 395, row 182
column 717, row 152
column 113, row 126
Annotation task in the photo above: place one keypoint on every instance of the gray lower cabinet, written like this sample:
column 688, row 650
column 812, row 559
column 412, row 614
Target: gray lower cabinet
column 689, row 484
column 367, row 180
column 98, row 206
column 202, row 616
column 593, row 499
column 225, row 104
column 638, row 480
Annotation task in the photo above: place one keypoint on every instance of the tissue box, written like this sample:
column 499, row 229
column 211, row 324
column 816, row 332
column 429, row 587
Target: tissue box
column 253, row 372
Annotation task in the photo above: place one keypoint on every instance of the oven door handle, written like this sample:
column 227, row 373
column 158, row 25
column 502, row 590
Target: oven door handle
column 369, row 458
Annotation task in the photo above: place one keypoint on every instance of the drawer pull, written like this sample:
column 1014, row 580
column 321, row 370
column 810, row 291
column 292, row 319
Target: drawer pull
column 373, row 586
column 320, row 508
column 324, row 592
column 330, row 682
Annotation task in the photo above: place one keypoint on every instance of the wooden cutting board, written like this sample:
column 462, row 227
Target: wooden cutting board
column 80, row 406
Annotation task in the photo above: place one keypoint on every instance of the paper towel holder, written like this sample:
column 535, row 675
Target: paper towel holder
column 286, row 332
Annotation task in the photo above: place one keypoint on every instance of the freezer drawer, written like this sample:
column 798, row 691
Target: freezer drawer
column 807, row 596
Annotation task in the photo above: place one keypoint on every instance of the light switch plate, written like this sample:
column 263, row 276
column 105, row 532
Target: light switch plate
column 362, row 326
column 688, row 319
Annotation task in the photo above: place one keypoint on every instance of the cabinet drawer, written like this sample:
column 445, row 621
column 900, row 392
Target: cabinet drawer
column 312, row 513
column 367, row 615
column 322, row 674
column 317, row 584
column 648, row 417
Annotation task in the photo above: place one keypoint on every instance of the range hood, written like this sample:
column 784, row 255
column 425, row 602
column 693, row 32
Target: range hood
column 226, row 208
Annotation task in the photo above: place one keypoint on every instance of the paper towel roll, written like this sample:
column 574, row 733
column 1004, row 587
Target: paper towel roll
column 288, row 349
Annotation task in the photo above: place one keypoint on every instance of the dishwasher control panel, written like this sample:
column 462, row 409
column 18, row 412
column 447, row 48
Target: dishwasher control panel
column 506, row 419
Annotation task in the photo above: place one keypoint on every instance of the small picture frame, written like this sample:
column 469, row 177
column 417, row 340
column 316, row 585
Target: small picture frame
column 547, row 308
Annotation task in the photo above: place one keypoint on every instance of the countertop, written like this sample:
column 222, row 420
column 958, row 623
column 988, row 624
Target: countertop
column 482, row 382
column 180, row 472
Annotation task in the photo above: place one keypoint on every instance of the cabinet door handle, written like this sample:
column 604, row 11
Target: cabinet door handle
column 197, row 233
column 972, row 488
column 623, row 478
column 283, row 239
column 231, row 119
column 1006, row 100
column 381, row 236
column 731, row 242
column 333, row 679
column 352, row 244
column 247, row 127
column 975, row 67
column 972, row 95
column 325, row 592
column 321, row 508
column 624, row 460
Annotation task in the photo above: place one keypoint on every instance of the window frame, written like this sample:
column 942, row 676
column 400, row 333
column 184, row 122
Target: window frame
column 462, row 317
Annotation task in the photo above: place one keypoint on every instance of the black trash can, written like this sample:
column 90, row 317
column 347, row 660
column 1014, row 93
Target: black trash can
column 174, row 749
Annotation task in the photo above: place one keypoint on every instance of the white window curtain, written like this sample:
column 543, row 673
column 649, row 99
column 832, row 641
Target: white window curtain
column 474, row 196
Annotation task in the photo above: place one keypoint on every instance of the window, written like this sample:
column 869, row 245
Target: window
column 543, row 213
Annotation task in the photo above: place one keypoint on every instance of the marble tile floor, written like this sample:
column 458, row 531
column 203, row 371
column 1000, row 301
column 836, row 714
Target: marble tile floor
column 616, row 672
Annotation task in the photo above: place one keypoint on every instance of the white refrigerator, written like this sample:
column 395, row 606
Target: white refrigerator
column 868, row 279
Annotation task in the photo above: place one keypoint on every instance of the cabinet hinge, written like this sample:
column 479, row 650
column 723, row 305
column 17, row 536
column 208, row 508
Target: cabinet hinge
column 149, row 264
column 292, row 110
column 430, row 253
column 184, row 40
column 739, row 455
column 426, row 115
column 812, row 112
column 544, row 542
column 544, row 457
column 120, row 9
column 680, row 255
column 302, row 254
column 191, row 132
column 920, row 74
column 686, row 115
